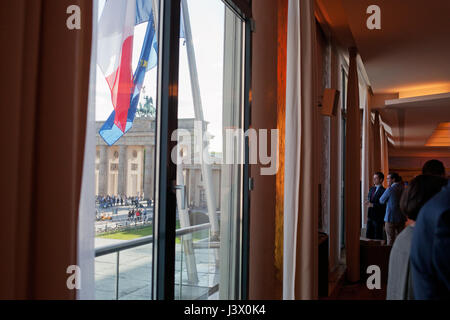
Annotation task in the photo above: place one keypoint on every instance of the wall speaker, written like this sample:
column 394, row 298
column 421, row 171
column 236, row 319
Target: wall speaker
column 330, row 102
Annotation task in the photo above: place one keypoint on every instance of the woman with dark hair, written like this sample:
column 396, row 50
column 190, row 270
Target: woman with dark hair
column 434, row 167
column 420, row 190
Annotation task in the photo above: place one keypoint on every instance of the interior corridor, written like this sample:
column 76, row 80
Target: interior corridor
column 380, row 99
column 401, row 84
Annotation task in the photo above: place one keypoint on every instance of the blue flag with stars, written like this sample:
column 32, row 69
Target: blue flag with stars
column 148, row 60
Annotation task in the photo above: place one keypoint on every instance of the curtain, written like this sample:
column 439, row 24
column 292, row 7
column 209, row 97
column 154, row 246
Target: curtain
column 300, row 208
column 335, row 167
column 353, row 171
column 371, row 137
column 384, row 154
column 376, row 143
column 86, row 218
column 44, row 100
column 366, row 165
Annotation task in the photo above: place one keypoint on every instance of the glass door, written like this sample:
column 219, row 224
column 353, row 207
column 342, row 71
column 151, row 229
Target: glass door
column 209, row 154
column 171, row 183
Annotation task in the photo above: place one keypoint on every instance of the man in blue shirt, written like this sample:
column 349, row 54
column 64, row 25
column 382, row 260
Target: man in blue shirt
column 394, row 218
column 430, row 249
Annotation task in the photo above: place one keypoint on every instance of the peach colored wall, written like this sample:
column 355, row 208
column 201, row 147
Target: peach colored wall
column 263, row 283
column 409, row 167
column 281, row 125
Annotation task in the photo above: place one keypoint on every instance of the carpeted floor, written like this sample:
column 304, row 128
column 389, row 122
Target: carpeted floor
column 359, row 291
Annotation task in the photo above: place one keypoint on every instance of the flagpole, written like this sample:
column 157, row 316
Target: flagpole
column 155, row 11
column 198, row 110
column 186, row 240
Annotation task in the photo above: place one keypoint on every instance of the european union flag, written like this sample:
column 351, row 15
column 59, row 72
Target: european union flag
column 143, row 11
column 110, row 132
column 148, row 60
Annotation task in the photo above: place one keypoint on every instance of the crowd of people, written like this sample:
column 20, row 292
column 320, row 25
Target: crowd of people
column 137, row 215
column 415, row 220
column 117, row 200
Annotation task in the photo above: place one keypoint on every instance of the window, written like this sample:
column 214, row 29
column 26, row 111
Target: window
column 125, row 194
column 210, row 102
column 343, row 111
column 206, row 214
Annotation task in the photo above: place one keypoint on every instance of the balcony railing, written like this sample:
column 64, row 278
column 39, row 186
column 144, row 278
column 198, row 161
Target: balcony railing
column 130, row 244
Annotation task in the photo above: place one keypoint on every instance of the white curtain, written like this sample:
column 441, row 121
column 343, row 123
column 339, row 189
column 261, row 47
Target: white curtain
column 292, row 150
column 300, row 222
column 365, row 174
column 86, row 214
column 384, row 152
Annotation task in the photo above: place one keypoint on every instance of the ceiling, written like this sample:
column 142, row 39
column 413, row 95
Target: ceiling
column 409, row 57
column 412, row 121
column 411, row 50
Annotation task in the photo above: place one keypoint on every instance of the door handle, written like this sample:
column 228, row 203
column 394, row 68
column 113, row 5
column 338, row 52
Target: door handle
column 182, row 188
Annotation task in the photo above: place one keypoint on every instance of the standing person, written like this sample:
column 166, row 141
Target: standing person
column 430, row 250
column 421, row 189
column 376, row 210
column 138, row 215
column 394, row 218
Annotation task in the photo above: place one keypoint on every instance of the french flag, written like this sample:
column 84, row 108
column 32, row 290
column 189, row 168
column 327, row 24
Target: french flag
column 115, row 53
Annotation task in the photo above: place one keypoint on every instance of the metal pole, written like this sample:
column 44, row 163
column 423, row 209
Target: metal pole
column 198, row 109
column 155, row 10
column 186, row 241
column 165, row 171
column 245, row 231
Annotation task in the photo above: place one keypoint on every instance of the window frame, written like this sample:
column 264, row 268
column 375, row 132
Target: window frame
column 163, row 260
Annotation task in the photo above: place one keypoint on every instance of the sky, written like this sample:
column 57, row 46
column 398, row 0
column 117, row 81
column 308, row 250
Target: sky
column 207, row 23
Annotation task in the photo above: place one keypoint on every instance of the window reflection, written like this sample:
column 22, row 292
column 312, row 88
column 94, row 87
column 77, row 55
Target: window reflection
column 209, row 191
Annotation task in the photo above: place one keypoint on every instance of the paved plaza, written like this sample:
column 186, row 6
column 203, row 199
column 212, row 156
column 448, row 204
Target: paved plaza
column 135, row 270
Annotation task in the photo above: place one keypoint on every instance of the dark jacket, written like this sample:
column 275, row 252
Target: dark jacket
column 430, row 250
column 378, row 210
